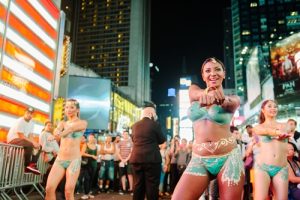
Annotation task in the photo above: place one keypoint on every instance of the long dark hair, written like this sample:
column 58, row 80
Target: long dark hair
column 262, row 117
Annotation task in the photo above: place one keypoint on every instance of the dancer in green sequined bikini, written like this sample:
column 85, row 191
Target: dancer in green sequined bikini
column 270, row 163
column 68, row 160
column 215, row 153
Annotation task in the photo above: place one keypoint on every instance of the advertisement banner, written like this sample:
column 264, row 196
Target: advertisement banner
column 29, row 34
column 93, row 95
column 284, row 68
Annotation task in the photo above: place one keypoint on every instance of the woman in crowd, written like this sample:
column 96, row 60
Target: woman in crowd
column 215, row 152
column 68, row 160
column 270, row 163
column 88, row 171
column 294, row 172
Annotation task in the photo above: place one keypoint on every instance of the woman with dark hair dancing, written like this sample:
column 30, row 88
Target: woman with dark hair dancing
column 270, row 162
column 215, row 153
column 68, row 160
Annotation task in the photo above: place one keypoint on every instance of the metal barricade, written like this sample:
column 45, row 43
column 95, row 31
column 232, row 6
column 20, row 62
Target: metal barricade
column 12, row 176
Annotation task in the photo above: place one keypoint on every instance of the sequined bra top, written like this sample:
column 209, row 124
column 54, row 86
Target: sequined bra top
column 74, row 135
column 215, row 114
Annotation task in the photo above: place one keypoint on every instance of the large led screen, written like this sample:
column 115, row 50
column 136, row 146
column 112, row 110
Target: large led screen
column 28, row 52
column 93, row 95
column 253, row 79
column 284, row 69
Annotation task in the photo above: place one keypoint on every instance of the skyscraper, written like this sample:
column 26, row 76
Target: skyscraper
column 112, row 37
column 259, row 23
column 228, row 49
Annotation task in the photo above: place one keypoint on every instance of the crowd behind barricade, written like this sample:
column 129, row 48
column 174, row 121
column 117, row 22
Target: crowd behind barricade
column 105, row 165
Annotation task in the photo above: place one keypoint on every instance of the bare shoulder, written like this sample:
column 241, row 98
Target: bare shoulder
column 83, row 122
column 258, row 126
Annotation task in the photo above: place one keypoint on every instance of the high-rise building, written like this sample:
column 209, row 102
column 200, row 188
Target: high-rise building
column 259, row 23
column 228, row 50
column 112, row 37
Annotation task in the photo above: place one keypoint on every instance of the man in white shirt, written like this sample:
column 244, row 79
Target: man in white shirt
column 21, row 134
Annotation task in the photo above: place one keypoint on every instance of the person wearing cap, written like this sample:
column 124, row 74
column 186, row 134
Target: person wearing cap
column 21, row 134
column 145, row 156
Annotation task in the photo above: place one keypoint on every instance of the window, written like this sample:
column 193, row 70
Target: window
column 253, row 4
column 262, row 2
column 246, row 32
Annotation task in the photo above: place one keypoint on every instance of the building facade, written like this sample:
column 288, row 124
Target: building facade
column 265, row 36
column 112, row 37
column 260, row 23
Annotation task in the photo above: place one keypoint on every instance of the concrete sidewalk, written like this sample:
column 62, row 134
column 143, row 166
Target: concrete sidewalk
column 102, row 196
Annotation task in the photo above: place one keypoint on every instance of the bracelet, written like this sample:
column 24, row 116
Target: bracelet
column 206, row 90
column 275, row 132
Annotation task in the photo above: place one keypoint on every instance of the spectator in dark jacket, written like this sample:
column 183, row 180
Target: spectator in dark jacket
column 145, row 157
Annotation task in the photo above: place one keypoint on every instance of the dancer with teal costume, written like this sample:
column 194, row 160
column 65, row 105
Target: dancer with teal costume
column 68, row 160
column 270, row 168
column 215, row 153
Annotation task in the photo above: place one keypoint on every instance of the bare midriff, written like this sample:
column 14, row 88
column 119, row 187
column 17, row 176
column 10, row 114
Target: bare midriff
column 212, row 139
column 271, row 153
column 69, row 149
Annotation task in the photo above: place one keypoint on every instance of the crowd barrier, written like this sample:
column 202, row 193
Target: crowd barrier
column 12, row 176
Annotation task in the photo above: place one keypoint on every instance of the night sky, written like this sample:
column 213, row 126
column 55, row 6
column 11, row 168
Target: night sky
column 192, row 29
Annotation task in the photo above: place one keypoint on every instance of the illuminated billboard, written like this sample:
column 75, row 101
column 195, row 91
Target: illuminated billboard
column 253, row 78
column 185, row 82
column 185, row 124
column 284, row 68
column 93, row 95
column 29, row 41
column 124, row 113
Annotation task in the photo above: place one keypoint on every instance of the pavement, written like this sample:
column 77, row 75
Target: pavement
column 106, row 196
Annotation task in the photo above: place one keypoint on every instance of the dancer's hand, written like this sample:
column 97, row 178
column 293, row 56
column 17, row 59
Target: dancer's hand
column 218, row 95
column 206, row 99
column 283, row 136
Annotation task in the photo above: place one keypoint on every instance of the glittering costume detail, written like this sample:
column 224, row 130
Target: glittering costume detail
column 231, row 163
column 213, row 146
column 234, row 167
column 215, row 114
column 73, row 164
column 74, row 135
column 267, row 139
column 273, row 170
